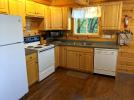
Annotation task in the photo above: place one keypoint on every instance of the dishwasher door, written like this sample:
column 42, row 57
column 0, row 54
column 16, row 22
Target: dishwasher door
column 105, row 61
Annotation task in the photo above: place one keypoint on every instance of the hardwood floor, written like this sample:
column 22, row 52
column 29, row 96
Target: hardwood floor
column 64, row 86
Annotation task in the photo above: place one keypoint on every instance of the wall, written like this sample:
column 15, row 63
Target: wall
column 33, row 25
column 128, row 9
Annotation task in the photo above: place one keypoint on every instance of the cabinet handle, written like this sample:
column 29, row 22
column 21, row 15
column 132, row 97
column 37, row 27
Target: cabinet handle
column 3, row 12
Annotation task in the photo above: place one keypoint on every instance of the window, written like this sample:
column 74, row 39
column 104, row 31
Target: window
column 86, row 20
column 87, row 26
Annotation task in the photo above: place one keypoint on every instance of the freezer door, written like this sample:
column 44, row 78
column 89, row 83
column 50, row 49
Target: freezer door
column 10, row 29
column 13, row 75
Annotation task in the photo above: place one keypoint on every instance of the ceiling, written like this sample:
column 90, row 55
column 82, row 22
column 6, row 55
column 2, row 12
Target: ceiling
column 72, row 3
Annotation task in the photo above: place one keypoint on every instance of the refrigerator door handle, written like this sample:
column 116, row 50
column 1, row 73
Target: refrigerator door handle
column 11, row 44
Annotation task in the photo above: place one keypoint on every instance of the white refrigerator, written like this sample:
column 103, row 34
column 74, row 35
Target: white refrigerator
column 13, row 74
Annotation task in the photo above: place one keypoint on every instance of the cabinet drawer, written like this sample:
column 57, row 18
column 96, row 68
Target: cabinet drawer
column 79, row 49
column 31, row 57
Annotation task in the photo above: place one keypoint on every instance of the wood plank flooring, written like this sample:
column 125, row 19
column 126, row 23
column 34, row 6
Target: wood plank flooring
column 62, row 86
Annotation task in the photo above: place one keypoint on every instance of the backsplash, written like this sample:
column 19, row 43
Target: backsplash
column 33, row 25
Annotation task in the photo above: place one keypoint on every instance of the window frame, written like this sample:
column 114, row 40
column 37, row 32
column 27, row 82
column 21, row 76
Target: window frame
column 86, row 34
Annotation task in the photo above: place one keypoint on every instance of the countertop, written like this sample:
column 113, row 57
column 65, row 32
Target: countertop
column 85, row 44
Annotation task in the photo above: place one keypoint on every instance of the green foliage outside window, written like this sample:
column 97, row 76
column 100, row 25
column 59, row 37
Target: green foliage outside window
column 86, row 25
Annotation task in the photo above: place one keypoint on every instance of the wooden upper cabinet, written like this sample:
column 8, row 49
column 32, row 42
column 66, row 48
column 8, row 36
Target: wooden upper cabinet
column 30, row 8
column 34, row 9
column 66, row 18
column 22, row 11
column 13, row 7
column 56, row 18
column 17, row 7
column 4, row 6
column 47, row 17
column 111, row 16
column 39, row 10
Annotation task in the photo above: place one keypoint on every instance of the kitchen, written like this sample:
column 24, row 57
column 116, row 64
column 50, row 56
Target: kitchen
column 71, row 49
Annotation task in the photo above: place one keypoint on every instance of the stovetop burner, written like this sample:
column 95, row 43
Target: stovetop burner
column 40, row 47
column 30, row 47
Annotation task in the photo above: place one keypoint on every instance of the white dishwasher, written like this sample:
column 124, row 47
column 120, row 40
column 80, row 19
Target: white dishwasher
column 105, row 61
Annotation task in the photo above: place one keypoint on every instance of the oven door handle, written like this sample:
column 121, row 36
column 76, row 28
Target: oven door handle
column 45, row 49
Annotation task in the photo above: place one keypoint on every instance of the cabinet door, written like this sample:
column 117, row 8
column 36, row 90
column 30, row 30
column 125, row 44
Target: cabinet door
column 17, row 7
column 30, row 8
column 47, row 18
column 72, row 59
column 21, row 11
column 63, row 55
column 111, row 16
column 13, row 7
column 66, row 18
column 4, row 6
column 39, row 10
column 32, row 72
column 57, row 63
column 86, row 61
column 56, row 18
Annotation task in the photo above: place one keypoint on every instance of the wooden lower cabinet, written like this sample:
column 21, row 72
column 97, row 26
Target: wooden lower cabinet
column 4, row 6
column 57, row 61
column 17, row 7
column 86, row 61
column 32, row 68
column 76, row 58
column 72, row 59
column 62, row 56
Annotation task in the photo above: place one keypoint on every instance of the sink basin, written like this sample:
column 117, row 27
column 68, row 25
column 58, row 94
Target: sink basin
column 76, row 43
column 80, row 43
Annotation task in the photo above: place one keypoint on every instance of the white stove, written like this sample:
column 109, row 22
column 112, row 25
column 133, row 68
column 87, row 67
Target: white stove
column 46, row 61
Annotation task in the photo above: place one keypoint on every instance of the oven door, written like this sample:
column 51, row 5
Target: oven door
column 46, row 59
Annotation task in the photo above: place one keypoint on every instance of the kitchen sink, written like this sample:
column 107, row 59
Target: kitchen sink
column 79, row 43
column 76, row 43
